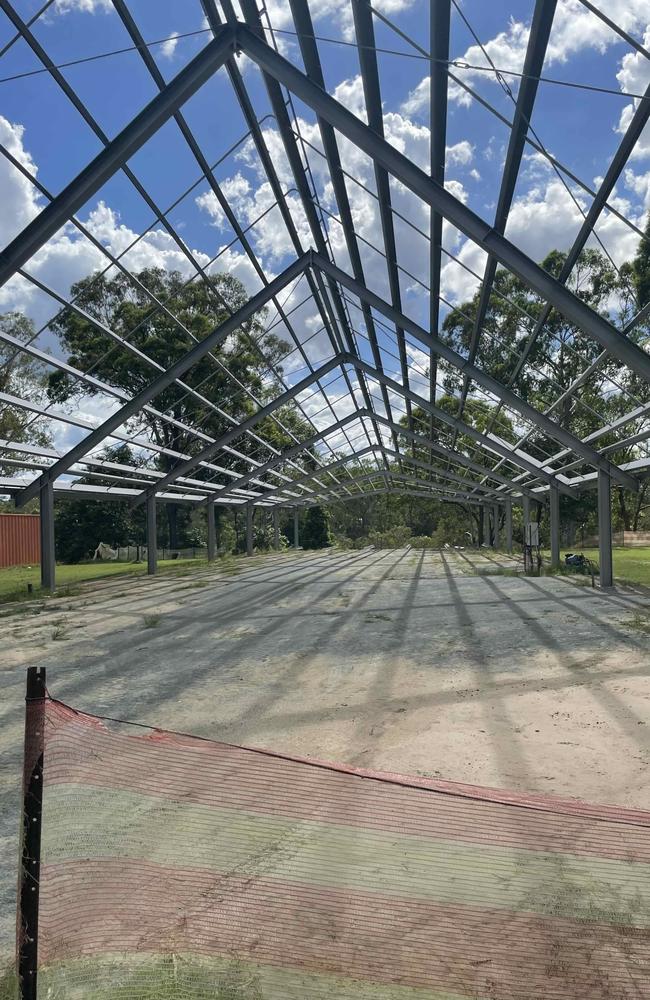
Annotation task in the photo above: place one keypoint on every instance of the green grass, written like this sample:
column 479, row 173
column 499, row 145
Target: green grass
column 630, row 565
column 14, row 579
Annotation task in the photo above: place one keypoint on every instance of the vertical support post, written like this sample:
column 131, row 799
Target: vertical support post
column 296, row 529
column 30, row 854
column 495, row 515
column 48, row 556
column 152, row 536
column 605, row 529
column 486, row 526
column 276, row 529
column 554, row 505
column 508, row 525
column 249, row 529
column 525, row 512
column 212, row 531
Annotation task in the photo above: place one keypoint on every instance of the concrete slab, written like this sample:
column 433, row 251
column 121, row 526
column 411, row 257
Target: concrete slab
column 402, row 660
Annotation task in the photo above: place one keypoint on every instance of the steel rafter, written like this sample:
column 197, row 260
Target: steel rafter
column 335, row 292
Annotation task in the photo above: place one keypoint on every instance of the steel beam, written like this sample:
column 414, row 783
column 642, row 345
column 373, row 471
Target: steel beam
column 554, row 516
column 165, row 378
column 440, row 19
column 75, row 195
column 225, row 439
column 48, row 553
column 445, row 473
column 538, row 38
column 309, row 52
column 488, row 383
column 212, row 531
column 488, row 442
column 605, row 530
column 445, row 202
column 152, row 537
column 285, row 456
column 459, row 459
column 629, row 141
column 365, row 34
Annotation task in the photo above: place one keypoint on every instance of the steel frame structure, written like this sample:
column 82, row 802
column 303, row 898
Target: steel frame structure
column 368, row 368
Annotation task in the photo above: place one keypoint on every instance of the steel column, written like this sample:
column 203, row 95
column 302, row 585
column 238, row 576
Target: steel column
column 212, row 531
column 508, row 505
column 48, row 555
column 249, row 530
column 554, row 512
column 525, row 511
column 152, row 537
column 487, row 534
column 276, row 529
column 605, row 530
column 296, row 529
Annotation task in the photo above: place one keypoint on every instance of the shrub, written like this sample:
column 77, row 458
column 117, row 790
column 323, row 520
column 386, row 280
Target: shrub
column 394, row 538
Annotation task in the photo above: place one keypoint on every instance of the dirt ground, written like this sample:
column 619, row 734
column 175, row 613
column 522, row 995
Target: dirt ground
column 399, row 659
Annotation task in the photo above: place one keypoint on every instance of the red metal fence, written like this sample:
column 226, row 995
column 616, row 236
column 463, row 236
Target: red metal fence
column 20, row 543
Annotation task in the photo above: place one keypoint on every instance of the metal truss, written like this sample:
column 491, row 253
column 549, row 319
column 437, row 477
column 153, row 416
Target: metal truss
column 376, row 421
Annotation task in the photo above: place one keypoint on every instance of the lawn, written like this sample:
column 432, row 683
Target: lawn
column 14, row 579
column 630, row 565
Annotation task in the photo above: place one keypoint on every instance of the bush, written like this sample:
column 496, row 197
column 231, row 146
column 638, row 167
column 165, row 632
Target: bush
column 394, row 538
column 424, row 542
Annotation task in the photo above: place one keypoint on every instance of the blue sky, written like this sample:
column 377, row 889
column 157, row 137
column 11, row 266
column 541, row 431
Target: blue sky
column 39, row 126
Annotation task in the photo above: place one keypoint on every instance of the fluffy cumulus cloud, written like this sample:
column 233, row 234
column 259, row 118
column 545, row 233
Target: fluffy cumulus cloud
column 250, row 196
column 85, row 6
column 69, row 256
column 168, row 47
column 547, row 217
column 337, row 13
column 20, row 199
column 575, row 29
column 634, row 77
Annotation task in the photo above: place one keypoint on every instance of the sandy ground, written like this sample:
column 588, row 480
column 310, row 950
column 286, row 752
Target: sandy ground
column 396, row 659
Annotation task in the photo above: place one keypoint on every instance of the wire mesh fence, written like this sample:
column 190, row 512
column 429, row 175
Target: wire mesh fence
column 174, row 866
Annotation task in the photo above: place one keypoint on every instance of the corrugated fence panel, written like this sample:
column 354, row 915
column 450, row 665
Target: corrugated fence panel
column 20, row 543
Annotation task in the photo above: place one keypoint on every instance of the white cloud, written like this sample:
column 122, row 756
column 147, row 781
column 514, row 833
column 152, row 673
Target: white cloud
column 168, row 47
column 634, row 77
column 640, row 185
column 20, row 199
column 544, row 219
column 84, row 6
column 460, row 154
column 575, row 29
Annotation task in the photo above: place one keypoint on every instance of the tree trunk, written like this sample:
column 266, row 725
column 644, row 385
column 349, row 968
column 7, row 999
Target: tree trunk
column 639, row 504
column 624, row 512
column 172, row 524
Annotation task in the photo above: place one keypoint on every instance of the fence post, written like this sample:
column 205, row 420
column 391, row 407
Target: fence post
column 30, row 855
